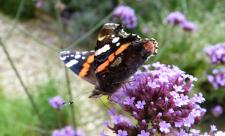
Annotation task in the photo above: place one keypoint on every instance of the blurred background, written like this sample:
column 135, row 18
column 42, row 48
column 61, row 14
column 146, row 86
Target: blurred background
column 32, row 77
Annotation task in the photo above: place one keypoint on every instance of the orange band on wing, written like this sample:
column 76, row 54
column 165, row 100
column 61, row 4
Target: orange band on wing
column 86, row 66
column 83, row 72
column 102, row 66
column 121, row 48
column 112, row 57
column 90, row 59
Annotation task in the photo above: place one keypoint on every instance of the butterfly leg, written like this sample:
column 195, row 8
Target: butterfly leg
column 96, row 93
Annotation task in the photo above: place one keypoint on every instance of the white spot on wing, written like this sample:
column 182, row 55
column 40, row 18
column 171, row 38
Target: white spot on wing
column 102, row 50
column 71, row 63
column 116, row 39
column 77, row 56
column 112, row 24
column 77, row 52
column 84, row 52
column 64, row 55
column 118, row 44
column 83, row 57
column 64, row 52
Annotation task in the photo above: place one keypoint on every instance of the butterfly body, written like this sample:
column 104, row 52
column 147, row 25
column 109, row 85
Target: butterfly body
column 117, row 56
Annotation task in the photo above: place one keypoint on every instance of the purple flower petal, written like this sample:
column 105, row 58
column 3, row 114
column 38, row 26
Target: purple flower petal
column 122, row 133
column 175, row 18
column 56, row 102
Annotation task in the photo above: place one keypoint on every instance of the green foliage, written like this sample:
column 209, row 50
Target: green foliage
column 10, row 7
column 52, row 118
column 86, row 15
column 17, row 118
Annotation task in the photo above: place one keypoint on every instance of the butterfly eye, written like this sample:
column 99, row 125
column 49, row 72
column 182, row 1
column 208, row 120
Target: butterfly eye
column 151, row 46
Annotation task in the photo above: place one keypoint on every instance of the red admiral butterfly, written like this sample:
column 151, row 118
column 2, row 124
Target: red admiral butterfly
column 117, row 56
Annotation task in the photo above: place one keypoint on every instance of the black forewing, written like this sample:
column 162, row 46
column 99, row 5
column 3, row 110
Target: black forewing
column 107, row 36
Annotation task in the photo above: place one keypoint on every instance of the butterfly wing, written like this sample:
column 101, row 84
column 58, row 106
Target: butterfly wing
column 109, row 54
column 81, row 63
column 111, row 38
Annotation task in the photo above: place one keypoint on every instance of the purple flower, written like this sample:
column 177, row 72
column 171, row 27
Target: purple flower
column 220, row 133
column 217, row 111
column 213, row 128
column 39, row 3
column 116, row 119
column 178, row 88
column 102, row 134
column 57, row 133
column 140, row 104
column 182, row 133
column 188, row 26
column 175, row 18
column 67, row 131
column 127, row 15
column 195, row 132
column 143, row 133
column 122, row 133
column 56, row 102
column 164, row 127
column 217, row 79
column 158, row 101
column 129, row 101
column 145, row 30
column 181, row 100
column 198, row 98
column 216, row 53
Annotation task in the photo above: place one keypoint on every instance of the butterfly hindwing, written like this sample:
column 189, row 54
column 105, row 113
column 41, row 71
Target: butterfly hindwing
column 80, row 63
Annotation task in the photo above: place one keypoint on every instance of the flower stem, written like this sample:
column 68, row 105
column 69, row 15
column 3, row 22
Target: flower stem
column 70, row 97
column 62, row 43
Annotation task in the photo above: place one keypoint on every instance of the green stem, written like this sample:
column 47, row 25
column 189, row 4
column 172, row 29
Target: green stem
column 70, row 97
column 18, row 13
column 69, row 90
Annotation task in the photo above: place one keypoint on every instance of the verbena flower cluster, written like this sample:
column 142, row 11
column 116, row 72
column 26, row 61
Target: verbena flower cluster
column 56, row 102
column 216, row 53
column 127, row 16
column 217, row 110
column 39, row 3
column 177, row 18
column 158, row 101
column 67, row 131
column 217, row 79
